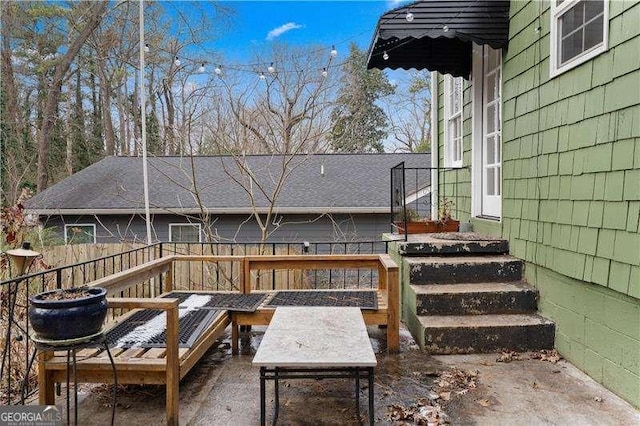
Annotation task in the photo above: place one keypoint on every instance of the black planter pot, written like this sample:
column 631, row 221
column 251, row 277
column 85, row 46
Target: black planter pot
column 67, row 319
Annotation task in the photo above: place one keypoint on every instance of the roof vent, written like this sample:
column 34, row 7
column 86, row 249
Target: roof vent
column 322, row 170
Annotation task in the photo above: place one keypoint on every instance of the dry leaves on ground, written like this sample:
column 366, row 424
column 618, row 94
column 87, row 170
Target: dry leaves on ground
column 456, row 381
column 546, row 355
column 429, row 411
column 423, row 412
column 508, row 356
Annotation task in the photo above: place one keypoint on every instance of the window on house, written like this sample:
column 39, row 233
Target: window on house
column 579, row 32
column 80, row 234
column 184, row 232
column 453, row 121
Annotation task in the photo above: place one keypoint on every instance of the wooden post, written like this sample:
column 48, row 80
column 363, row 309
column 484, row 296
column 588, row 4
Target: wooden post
column 382, row 277
column 234, row 335
column 246, row 276
column 393, row 322
column 169, row 280
column 173, row 365
column 46, row 387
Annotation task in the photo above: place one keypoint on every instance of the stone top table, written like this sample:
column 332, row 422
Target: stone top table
column 315, row 342
column 316, row 337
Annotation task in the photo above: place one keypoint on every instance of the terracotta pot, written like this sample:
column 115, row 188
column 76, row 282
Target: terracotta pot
column 428, row 227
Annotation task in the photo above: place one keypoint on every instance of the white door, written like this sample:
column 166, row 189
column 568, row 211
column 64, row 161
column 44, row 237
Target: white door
column 487, row 132
column 492, row 133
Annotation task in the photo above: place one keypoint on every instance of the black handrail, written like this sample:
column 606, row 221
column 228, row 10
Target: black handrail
column 421, row 180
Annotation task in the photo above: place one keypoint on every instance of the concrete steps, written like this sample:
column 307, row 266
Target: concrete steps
column 427, row 245
column 485, row 333
column 467, row 269
column 474, row 299
column 467, row 295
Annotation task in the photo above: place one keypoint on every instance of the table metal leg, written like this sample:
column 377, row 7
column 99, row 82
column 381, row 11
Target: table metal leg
column 262, row 397
column 277, row 391
column 358, row 392
column 371, row 415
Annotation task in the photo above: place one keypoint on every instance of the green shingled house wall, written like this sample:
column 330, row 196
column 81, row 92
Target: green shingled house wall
column 571, row 188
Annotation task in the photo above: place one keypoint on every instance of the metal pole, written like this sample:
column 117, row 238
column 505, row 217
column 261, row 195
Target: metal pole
column 143, row 119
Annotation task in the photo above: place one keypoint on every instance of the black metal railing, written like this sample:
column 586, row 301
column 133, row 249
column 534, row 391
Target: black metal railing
column 411, row 194
column 17, row 373
column 18, row 379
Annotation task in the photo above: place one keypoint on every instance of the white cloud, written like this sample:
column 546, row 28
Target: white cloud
column 392, row 4
column 278, row 31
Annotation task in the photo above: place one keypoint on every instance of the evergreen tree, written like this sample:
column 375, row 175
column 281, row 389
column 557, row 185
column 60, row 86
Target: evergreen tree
column 358, row 124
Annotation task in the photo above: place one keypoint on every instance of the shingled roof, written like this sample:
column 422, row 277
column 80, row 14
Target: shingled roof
column 350, row 183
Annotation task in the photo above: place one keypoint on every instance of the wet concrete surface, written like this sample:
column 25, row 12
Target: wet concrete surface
column 224, row 390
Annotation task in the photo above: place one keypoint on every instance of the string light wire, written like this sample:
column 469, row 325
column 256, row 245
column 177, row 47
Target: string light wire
column 271, row 65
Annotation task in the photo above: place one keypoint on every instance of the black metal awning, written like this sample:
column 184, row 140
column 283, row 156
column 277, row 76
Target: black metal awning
column 440, row 35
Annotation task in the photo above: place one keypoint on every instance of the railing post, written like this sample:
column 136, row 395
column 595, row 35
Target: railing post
column 246, row 276
column 393, row 299
column 160, row 283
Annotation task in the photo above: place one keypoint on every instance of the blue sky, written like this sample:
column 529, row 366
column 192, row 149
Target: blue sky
column 256, row 24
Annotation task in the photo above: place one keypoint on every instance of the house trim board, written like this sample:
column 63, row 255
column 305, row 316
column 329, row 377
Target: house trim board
column 434, row 145
column 242, row 210
column 476, row 131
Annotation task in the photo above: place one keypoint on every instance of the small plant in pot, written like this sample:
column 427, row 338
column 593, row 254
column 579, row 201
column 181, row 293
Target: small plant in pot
column 68, row 314
column 445, row 222
column 414, row 224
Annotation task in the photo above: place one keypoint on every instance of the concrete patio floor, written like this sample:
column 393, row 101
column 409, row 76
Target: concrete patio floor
column 224, row 390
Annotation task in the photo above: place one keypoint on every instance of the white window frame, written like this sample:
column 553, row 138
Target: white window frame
column 557, row 10
column 171, row 225
column 77, row 225
column 449, row 116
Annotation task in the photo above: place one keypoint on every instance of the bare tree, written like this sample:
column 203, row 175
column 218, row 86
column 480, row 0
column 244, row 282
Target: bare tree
column 409, row 114
column 91, row 19
column 282, row 111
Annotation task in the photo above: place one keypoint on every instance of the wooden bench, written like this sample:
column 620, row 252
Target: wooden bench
column 163, row 366
column 388, row 290
column 166, row 366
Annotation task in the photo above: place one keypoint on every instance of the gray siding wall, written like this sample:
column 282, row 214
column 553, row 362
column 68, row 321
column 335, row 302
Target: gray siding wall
column 239, row 228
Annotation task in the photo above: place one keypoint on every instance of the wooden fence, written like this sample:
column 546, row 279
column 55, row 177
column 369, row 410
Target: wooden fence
column 227, row 275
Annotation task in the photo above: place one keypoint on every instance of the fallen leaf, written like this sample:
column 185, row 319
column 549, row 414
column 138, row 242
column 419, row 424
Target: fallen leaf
column 445, row 396
column 546, row 355
column 597, row 399
column 484, row 402
column 508, row 356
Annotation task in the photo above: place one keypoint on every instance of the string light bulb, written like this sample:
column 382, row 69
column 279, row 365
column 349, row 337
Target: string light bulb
column 334, row 52
column 262, row 76
column 177, row 62
column 201, row 69
column 409, row 17
column 218, row 70
column 385, row 55
column 271, row 68
column 324, row 72
column 147, row 47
